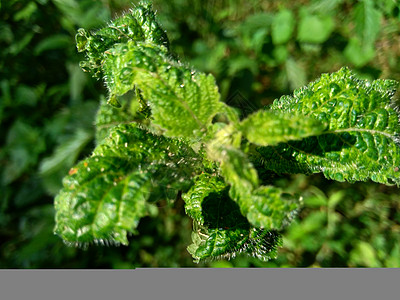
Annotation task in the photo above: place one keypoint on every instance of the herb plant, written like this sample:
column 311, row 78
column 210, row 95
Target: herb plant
column 164, row 133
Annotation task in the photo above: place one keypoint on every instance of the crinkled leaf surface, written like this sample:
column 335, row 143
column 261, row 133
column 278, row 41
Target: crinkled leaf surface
column 183, row 102
column 267, row 128
column 105, row 195
column 263, row 206
column 109, row 116
column 220, row 230
column 361, row 141
column 139, row 25
column 132, row 52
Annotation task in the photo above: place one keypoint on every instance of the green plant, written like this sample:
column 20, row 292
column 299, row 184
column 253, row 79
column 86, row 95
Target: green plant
column 170, row 136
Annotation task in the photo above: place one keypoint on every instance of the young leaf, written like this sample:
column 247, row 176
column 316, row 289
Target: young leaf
column 267, row 128
column 139, row 25
column 182, row 102
column 99, row 203
column 220, row 230
column 105, row 196
column 263, row 206
column 361, row 141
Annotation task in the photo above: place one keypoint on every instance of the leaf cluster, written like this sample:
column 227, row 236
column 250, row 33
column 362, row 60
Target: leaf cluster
column 173, row 138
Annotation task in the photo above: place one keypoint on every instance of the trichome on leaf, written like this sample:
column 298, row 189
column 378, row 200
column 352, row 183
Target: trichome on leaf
column 162, row 141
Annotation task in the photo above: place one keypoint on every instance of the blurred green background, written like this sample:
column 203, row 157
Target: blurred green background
column 258, row 51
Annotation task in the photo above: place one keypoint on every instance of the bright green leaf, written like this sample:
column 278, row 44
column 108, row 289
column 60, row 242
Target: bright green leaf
column 105, row 196
column 314, row 28
column 361, row 142
column 263, row 206
column 170, row 89
column 267, row 128
column 282, row 26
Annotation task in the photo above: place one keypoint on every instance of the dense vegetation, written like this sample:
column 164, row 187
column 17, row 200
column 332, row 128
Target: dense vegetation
column 257, row 52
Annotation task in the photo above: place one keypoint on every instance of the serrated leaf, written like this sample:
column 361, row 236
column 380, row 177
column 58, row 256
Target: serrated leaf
column 205, row 186
column 170, row 89
column 361, row 141
column 109, row 116
column 101, row 204
column 138, row 25
column 263, row 206
column 220, row 230
column 266, row 128
column 105, row 195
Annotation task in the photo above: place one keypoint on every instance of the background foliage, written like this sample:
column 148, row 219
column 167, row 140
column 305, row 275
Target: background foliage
column 258, row 51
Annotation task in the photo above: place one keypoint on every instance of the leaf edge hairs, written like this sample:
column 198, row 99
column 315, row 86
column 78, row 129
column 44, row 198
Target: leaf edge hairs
column 158, row 139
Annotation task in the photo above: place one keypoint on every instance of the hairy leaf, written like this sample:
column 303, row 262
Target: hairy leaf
column 263, row 206
column 266, row 128
column 220, row 230
column 105, row 195
column 108, row 117
column 139, row 25
column 182, row 101
column 361, row 141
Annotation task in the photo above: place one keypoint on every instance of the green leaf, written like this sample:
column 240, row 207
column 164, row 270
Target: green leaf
column 314, row 28
column 362, row 139
column 170, row 89
column 57, row 41
column 367, row 21
column 23, row 146
column 361, row 48
column 296, row 74
column 52, row 168
column 139, row 25
column 220, row 231
column 108, row 116
column 263, row 206
column 205, row 186
column 357, row 53
column 101, row 204
column 267, row 128
column 282, row 26
column 26, row 12
column 105, row 195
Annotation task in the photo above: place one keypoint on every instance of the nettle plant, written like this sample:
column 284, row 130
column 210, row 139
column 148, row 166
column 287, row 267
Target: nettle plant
column 164, row 134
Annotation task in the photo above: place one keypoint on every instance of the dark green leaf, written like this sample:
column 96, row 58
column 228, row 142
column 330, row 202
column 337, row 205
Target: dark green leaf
column 220, row 230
